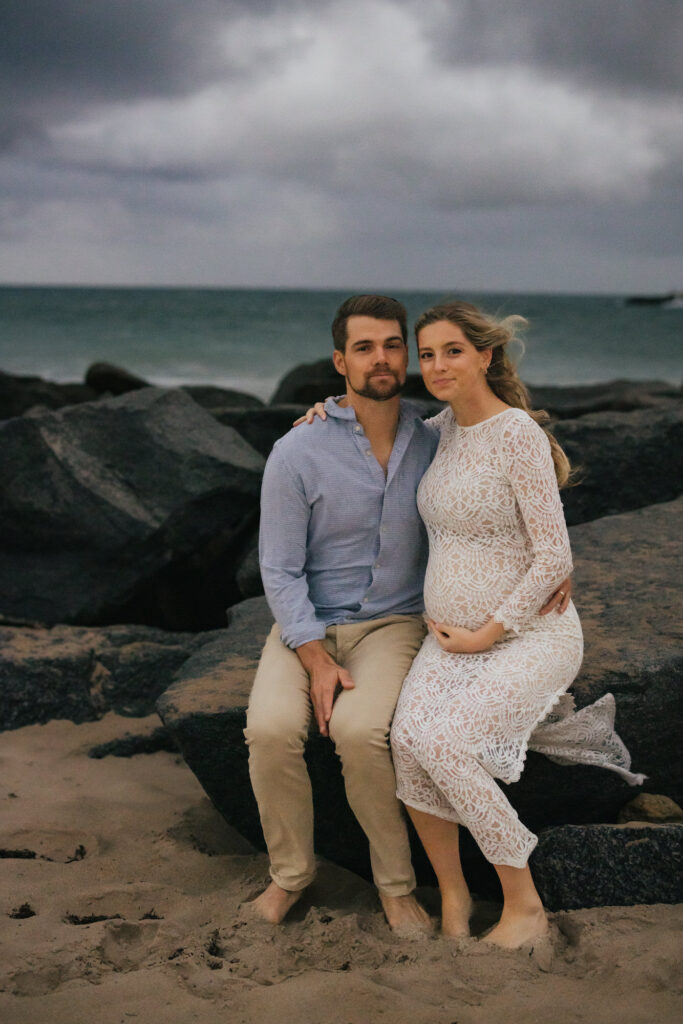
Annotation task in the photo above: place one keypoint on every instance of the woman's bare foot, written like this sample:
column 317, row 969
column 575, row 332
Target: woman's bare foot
column 405, row 916
column 274, row 903
column 455, row 916
column 519, row 928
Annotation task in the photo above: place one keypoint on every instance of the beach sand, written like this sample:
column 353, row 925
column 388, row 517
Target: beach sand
column 136, row 843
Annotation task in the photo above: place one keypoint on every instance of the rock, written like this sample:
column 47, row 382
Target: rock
column 626, row 586
column 604, row 865
column 79, row 673
column 568, row 402
column 625, row 460
column 135, row 743
column 217, row 400
column 308, row 383
column 653, row 807
column 261, row 429
column 126, row 509
column 19, row 394
column 105, row 378
column 248, row 575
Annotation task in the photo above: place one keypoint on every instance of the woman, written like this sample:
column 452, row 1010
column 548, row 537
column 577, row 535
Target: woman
column 491, row 669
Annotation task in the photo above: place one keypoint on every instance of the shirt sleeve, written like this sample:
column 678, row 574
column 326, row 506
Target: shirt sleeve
column 528, row 464
column 285, row 515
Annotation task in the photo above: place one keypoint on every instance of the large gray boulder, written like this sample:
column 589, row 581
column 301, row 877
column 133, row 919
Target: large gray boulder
column 578, row 866
column 626, row 585
column 624, row 460
column 80, row 673
column 126, row 509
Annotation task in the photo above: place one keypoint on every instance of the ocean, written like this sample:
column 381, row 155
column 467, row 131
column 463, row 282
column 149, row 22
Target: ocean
column 249, row 338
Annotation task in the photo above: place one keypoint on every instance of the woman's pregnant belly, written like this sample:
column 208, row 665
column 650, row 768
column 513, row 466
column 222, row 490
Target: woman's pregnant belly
column 465, row 584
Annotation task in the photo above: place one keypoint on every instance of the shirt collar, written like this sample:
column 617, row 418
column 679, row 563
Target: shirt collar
column 408, row 411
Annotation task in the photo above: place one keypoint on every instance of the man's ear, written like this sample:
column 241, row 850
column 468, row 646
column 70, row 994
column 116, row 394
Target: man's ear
column 339, row 362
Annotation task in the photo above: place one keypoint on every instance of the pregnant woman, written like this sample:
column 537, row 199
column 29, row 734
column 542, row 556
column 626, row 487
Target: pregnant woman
column 490, row 677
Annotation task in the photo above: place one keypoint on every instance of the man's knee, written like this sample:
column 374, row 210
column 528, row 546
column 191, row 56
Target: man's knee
column 263, row 733
column 348, row 734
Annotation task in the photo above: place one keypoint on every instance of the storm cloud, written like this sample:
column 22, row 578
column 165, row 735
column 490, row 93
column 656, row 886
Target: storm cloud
column 389, row 143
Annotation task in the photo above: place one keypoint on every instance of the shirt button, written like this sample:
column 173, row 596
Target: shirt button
column 365, row 600
column 356, row 430
column 376, row 565
column 368, row 451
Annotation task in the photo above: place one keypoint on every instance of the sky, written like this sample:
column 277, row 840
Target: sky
column 496, row 145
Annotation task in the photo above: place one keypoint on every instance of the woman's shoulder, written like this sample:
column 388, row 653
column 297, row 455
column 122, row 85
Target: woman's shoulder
column 518, row 429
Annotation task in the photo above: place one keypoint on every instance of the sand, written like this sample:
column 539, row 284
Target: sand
column 138, row 889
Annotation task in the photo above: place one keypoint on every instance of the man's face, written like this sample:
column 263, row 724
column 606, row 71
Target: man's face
column 375, row 361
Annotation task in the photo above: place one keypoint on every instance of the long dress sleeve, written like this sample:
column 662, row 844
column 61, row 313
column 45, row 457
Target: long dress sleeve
column 528, row 466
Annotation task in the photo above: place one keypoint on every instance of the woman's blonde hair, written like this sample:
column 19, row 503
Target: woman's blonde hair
column 487, row 332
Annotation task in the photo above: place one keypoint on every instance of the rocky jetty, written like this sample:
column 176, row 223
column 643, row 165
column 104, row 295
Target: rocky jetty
column 130, row 525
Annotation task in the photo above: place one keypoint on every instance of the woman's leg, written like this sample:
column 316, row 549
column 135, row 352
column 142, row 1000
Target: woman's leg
column 440, row 839
column 523, row 918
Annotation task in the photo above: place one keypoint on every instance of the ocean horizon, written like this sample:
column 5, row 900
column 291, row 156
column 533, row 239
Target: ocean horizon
column 248, row 338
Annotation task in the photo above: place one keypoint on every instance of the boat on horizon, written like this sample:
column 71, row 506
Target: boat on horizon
column 671, row 300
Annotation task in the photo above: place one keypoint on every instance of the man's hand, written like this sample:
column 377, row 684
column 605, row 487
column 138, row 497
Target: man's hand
column 560, row 599
column 326, row 677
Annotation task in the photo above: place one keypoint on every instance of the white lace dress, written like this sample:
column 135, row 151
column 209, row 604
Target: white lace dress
column 498, row 547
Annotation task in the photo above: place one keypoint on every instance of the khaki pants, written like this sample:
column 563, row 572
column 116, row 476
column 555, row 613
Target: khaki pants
column 378, row 655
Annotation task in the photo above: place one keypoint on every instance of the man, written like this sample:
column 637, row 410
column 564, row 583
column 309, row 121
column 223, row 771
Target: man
column 343, row 553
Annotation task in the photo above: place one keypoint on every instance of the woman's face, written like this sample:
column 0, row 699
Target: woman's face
column 452, row 368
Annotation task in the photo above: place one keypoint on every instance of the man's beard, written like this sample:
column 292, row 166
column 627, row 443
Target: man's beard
column 370, row 390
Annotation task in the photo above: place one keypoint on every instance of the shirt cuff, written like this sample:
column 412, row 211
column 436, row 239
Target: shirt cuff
column 304, row 635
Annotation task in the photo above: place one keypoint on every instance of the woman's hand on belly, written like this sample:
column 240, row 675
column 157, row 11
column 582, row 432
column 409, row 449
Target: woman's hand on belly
column 458, row 640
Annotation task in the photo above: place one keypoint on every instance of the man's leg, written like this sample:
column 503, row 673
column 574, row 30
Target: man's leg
column 378, row 655
column 278, row 718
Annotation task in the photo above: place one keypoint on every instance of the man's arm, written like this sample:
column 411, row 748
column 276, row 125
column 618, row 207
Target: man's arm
column 285, row 515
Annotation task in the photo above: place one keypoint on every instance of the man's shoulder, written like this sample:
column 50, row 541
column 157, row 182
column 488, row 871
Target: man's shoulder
column 297, row 445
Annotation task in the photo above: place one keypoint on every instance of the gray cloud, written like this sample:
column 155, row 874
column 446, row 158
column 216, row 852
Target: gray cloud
column 632, row 44
column 306, row 142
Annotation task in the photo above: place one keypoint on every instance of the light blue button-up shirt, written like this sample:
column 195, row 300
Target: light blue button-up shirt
column 339, row 542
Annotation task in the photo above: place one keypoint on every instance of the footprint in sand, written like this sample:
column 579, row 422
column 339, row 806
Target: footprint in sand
column 57, row 845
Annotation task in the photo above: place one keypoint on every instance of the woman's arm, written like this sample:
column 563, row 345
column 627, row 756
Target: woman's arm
column 528, row 465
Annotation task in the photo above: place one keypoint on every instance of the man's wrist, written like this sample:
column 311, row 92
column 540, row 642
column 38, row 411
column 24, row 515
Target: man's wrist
column 313, row 655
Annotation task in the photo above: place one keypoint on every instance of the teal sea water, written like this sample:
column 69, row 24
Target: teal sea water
column 248, row 338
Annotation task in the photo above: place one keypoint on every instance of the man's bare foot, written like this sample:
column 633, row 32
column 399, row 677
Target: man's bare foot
column 405, row 915
column 519, row 928
column 274, row 903
column 455, row 916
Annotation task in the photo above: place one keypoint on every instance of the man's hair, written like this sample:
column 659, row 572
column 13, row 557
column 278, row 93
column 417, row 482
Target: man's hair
column 379, row 307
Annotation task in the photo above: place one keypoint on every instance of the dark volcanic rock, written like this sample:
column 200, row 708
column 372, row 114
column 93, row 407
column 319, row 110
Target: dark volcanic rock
column 626, row 585
column 79, row 673
column 105, row 378
column 569, row 401
column 624, row 460
column 308, row 383
column 126, row 509
column 604, row 865
column 248, row 575
column 19, row 394
column 262, row 428
column 217, row 400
